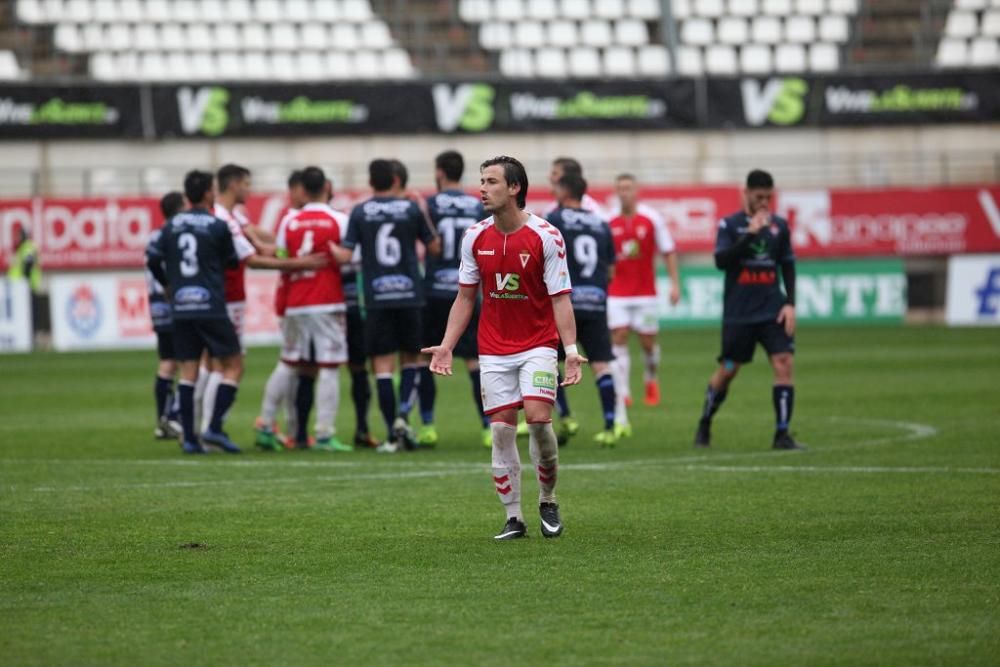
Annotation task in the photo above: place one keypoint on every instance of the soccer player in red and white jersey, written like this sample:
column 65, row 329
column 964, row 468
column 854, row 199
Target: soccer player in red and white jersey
column 315, row 312
column 519, row 261
column 639, row 234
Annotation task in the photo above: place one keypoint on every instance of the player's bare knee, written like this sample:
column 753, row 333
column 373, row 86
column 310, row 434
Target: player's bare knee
column 619, row 336
column 782, row 364
column 648, row 342
column 504, row 417
column 599, row 368
column 537, row 412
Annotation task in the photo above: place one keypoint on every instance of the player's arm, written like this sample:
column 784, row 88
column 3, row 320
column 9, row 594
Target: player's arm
column 426, row 230
column 786, row 315
column 562, row 308
column 309, row 262
column 154, row 262
column 262, row 240
column 670, row 259
column 343, row 252
column 458, row 320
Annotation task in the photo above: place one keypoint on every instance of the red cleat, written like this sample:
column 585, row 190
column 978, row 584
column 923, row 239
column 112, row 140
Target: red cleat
column 652, row 393
column 628, row 401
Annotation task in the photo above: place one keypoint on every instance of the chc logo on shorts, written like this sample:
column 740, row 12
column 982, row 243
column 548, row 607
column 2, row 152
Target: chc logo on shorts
column 544, row 380
column 83, row 311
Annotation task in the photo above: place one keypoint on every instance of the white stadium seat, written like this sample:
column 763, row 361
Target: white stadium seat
column 756, row 59
column 824, row 57
column 30, row 11
column 573, row 9
column 315, row 36
column 510, row 10
column 298, row 11
column 619, row 61
column 777, row 7
column 551, row 63
column 495, row 36
column 267, row 11
column 396, row 64
column 697, row 31
column 584, row 62
column 229, row 66
column 800, row 29
column 595, row 33
column 103, row 66
column 77, row 11
column 991, row 24
column 257, row 66
column 119, row 37
column 284, row 66
column 376, row 35
column 338, row 65
column 952, row 53
column 152, row 67
column 199, row 37
column 254, row 37
column 562, row 34
column 709, row 8
column 309, row 65
column 961, row 24
column 970, row 4
column 689, row 61
column 203, row 67
column 328, row 11
column 843, row 6
column 653, row 60
column 186, row 11
column 475, row 11
column 609, row 9
column 157, row 11
column 517, row 63
column 834, row 28
column 720, row 59
column 172, row 37
column 283, row 37
column 212, row 11
column 733, row 30
column 146, row 37
column 94, row 37
column 358, row 11
column 130, row 12
column 105, row 11
column 631, row 32
column 66, row 37
column 790, row 58
column 766, row 30
column 681, row 9
column 9, row 69
column 747, row 8
column 344, row 37
column 543, row 10
column 179, row 66
column 529, row 34
column 809, row 7
column 648, row 10
column 984, row 52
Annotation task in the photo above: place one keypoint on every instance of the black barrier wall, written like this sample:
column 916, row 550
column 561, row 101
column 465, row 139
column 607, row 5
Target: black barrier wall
column 470, row 107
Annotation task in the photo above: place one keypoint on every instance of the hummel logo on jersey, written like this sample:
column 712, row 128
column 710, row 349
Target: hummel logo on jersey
column 524, row 259
column 486, row 252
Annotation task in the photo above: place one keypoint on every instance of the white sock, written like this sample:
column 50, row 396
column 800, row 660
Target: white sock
column 327, row 400
column 199, row 394
column 275, row 390
column 620, row 371
column 651, row 362
column 544, row 449
column 208, row 401
column 507, row 468
column 291, row 407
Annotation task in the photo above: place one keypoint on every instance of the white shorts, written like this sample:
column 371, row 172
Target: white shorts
column 319, row 338
column 509, row 380
column 237, row 311
column 638, row 313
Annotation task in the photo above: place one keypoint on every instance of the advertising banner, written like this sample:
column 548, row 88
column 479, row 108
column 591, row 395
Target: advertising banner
column 55, row 112
column 842, row 292
column 111, row 310
column 106, row 233
column 15, row 316
column 973, row 290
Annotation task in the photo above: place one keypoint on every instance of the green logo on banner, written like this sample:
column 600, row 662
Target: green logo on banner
column 468, row 106
column 780, row 101
column 203, row 110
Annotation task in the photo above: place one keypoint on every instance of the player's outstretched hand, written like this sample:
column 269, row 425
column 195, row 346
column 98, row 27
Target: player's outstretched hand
column 440, row 359
column 786, row 316
column 574, row 369
column 675, row 295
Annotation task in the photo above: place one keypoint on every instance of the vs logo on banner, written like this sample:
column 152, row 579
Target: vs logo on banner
column 779, row 101
column 203, row 110
column 468, row 106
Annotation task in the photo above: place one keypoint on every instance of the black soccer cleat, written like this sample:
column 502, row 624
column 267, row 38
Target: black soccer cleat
column 552, row 525
column 512, row 530
column 784, row 440
column 703, row 438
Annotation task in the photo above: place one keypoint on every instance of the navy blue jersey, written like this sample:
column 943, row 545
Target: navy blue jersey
column 386, row 229
column 159, row 307
column 195, row 248
column 753, row 292
column 452, row 212
column 590, row 255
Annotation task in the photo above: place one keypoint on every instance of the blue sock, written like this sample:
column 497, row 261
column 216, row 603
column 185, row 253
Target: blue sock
column 561, row 403
column 783, row 396
column 427, row 392
column 606, row 390
column 407, row 383
column 185, row 392
column 161, row 390
column 386, row 401
column 304, row 396
column 477, row 395
column 713, row 399
column 224, row 399
column 361, row 392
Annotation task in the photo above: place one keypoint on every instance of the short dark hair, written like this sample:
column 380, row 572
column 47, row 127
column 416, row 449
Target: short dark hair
column 451, row 163
column 513, row 172
column 171, row 204
column 574, row 184
column 626, row 176
column 380, row 173
column 228, row 173
column 758, row 179
column 569, row 165
column 400, row 171
column 197, row 184
column 295, row 178
column 313, row 180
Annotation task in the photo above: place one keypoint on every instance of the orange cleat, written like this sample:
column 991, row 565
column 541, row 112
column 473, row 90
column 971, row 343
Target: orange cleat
column 652, row 393
column 628, row 401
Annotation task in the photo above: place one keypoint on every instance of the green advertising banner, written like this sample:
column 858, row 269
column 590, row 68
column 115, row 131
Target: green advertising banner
column 834, row 292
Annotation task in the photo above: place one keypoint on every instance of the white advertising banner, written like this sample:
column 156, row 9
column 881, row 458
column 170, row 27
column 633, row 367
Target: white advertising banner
column 111, row 310
column 15, row 316
column 973, row 290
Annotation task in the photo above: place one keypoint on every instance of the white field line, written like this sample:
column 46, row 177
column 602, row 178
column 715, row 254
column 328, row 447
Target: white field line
column 846, row 469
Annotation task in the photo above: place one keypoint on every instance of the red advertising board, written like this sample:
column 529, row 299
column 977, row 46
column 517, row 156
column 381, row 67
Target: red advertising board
column 105, row 233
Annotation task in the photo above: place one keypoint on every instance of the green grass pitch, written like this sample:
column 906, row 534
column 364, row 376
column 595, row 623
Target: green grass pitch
column 880, row 545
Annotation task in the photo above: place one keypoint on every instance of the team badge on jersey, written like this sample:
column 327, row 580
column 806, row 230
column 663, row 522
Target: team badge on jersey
column 524, row 259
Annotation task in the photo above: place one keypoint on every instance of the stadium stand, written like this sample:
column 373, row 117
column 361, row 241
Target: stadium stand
column 971, row 35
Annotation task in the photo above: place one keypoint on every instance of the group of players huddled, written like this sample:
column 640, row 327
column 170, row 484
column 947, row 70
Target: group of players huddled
column 355, row 289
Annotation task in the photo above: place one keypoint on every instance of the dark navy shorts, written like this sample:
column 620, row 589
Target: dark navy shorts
column 436, row 321
column 740, row 339
column 165, row 344
column 391, row 330
column 217, row 335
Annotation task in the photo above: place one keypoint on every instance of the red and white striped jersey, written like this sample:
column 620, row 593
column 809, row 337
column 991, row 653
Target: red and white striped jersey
column 310, row 231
